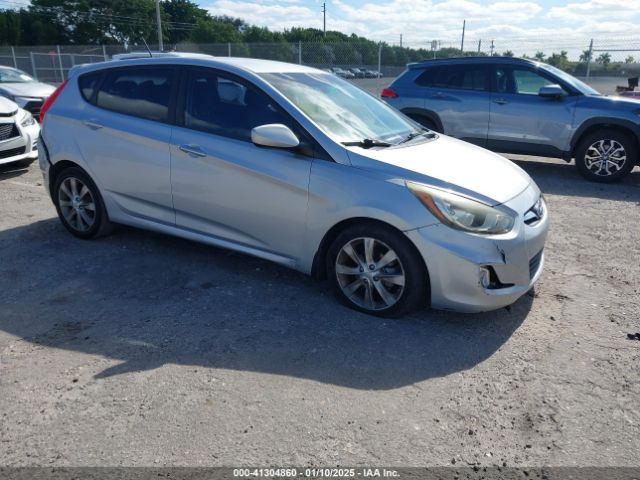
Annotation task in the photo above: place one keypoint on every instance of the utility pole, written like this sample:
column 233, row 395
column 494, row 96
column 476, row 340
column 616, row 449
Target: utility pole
column 464, row 24
column 160, row 44
column 479, row 46
column 400, row 40
column 589, row 55
column 492, row 48
column 324, row 18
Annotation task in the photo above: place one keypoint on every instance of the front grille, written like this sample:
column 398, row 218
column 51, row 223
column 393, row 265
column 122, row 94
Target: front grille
column 8, row 130
column 534, row 264
column 34, row 107
column 12, row 153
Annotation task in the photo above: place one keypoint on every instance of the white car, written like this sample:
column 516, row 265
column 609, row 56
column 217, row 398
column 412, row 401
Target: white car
column 23, row 89
column 18, row 133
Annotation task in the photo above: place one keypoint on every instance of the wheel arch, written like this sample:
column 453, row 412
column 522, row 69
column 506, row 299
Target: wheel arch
column 595, row 124
column 58, row 167
column 318, row 269
column 426, row 113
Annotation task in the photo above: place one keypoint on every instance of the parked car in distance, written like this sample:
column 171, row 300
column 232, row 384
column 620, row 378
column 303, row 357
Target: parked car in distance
column 520, row 106
column 23, row 89
column 373, row 74
column 18, row 134
column 294, row 165
column 343, row 73
column 357, row 73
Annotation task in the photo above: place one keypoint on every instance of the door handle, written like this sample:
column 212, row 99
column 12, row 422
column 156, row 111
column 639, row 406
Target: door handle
column 93, row 125
column 500, row 101
column 193, row 150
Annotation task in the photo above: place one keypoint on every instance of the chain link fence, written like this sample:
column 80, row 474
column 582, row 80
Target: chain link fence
column 604, row 63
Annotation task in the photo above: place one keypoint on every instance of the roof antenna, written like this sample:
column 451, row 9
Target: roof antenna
column 148, row 49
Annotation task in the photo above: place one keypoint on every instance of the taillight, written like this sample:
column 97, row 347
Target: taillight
column 52, row 98
column 388, row 93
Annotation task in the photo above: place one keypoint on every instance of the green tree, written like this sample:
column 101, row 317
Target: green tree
column 507, row 53
column 540, row 56
column 604, row 59
column 629, row 59
column 585, row 56
column 560, row 60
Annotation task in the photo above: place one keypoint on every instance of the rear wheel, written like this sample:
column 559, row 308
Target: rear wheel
column 606, row 155
column 376, row 270
column 79, row 204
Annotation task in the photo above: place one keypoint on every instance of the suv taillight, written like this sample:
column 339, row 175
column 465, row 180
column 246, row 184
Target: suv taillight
column 52, row 98
column 388, row 93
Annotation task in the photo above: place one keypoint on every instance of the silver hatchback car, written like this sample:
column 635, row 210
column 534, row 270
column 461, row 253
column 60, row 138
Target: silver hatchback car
column 297, row 166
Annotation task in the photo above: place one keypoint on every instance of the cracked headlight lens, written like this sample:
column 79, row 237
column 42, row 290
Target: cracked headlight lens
column 462, row 213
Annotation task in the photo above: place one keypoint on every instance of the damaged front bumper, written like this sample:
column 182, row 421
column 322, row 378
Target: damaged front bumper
column 474, row 273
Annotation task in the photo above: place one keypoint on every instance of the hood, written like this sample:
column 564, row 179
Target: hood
column 28, row 89
column 7, row 107
column 449, row 164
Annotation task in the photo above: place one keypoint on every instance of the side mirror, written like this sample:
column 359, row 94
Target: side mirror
column 274, row 135
column 552, row 91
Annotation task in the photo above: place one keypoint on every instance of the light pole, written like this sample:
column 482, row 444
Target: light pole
column 160, row 45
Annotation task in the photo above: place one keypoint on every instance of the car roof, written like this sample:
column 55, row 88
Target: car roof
column 239, row 63
column 473, row 60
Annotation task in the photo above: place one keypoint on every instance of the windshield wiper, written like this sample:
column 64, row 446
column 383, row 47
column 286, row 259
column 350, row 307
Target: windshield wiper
column 411, row 136
column 366, row 143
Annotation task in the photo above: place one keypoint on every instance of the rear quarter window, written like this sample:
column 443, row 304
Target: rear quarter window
column 88, row 83
column 139, row 92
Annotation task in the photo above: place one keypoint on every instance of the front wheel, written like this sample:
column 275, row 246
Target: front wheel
column 376, row 270
column 606, row 156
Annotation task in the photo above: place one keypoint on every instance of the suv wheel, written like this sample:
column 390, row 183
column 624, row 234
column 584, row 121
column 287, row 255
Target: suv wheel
column 376, row 270
column 606, row 155
column 79, row 204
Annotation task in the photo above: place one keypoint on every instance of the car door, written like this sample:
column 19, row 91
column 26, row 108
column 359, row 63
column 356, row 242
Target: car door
column 125, row 138
column 460, row 96
column 521, row 121
column 223, row 185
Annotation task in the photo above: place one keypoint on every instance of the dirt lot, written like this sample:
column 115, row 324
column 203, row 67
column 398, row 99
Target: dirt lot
column 140, row 349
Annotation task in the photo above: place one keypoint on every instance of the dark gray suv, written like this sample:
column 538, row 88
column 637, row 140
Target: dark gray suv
column 520, row 106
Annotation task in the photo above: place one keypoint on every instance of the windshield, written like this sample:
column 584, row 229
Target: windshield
column 12, row 75
column 341, row 109
column 571, row 80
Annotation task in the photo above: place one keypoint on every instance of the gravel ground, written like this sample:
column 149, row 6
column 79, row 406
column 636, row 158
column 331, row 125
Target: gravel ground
column 141, row 349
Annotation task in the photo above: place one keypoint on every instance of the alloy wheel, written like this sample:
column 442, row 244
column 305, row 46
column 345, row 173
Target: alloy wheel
column 370, row 273
column 77, row 204
column 605, row 157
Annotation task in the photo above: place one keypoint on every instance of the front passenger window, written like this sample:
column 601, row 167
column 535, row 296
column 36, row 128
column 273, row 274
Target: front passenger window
column 223, row 106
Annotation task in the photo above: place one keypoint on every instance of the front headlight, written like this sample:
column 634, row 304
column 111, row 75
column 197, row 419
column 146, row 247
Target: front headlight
column 462, row 213
column 28, row 120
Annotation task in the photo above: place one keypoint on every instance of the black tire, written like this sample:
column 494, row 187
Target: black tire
column 425, row 122
column 415, row 290
column 588, row 145
column 101, row 225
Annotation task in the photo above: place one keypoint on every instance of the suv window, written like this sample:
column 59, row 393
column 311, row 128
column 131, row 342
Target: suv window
column 461, row 77
column 520, row 80
column 141, row 92
column 222, row 105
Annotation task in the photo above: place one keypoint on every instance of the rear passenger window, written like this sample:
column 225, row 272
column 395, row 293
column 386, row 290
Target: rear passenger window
column 460, row 77
column 88, row 83
column 141, row 92
column 221, row 105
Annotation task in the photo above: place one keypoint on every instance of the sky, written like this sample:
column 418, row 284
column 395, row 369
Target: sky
column 511, row 23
